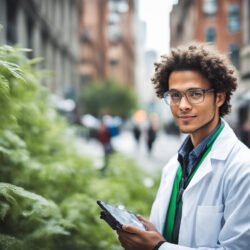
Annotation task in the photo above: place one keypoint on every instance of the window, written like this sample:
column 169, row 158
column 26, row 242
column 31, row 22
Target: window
column 69, row 92
column 12, row 8
column 234, row 51
column 113, row 18
column 114, row 33
column 119, row 6
column 210, row 34
column 114, row 62
column 234, row 18
column 248, row 21
column 210, row 7
column 86, row 36
column 30, row 45
column 85, row 78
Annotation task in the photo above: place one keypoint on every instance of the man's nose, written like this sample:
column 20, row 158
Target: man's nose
column 184, row 103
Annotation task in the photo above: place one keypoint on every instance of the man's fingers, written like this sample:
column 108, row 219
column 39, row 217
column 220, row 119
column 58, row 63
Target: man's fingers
column 148, row 225
column 140, row 217
column 131, row 229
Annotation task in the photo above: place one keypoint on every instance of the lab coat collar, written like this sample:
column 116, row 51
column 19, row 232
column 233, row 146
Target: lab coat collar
column 224, row 143
column 220, row 150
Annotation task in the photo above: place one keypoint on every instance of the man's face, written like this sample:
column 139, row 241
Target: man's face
column 200, row 117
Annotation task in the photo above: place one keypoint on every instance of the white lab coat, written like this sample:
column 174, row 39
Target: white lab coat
column 216, row 203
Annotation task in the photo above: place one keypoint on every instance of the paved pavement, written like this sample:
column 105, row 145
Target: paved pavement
column 164, row 147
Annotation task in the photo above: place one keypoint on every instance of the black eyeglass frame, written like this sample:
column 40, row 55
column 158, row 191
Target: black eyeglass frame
column 169, row 101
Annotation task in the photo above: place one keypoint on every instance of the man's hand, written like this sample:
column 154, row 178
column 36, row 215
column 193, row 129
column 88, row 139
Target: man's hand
column 133, row 238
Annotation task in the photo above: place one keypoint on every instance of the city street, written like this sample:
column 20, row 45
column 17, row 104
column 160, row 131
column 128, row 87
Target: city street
column 164, row 147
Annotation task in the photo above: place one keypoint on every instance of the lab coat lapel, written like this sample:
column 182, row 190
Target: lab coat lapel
column 165, row 194
column 220, row 150
column 204, row 170
column 224, row 144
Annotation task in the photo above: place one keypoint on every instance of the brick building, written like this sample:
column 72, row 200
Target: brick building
column 214, row 21
column 107, row 41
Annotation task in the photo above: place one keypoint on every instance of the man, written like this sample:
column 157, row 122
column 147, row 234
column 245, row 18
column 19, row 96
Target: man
column 203, row 201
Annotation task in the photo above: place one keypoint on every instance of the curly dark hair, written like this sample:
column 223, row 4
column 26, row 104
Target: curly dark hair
column 212, row 65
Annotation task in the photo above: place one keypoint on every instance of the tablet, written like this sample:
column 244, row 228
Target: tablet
column 116, row 216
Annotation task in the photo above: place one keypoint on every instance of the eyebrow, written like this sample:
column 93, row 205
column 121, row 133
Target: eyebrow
column 185, row 89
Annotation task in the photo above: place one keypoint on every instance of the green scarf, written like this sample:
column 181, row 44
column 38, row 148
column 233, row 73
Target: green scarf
column 174, row 203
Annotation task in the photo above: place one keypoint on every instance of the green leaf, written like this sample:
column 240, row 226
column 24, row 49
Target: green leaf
column 12, row 68
column 9, row 191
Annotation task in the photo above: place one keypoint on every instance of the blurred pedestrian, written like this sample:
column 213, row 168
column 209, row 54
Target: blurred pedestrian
column 204, row 195
column 150, row 136
column 245, row 133
column 104, row 137
column 137, row 133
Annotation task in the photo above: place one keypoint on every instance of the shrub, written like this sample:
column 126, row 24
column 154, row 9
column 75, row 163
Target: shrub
column 48, row 188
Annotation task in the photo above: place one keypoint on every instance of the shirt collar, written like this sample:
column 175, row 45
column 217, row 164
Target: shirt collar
column 188, row 148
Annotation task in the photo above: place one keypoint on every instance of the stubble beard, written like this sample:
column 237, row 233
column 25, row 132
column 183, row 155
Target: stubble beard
column 195, row 130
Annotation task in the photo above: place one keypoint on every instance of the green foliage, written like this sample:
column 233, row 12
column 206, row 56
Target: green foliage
column 108, row 97
column 48, row 189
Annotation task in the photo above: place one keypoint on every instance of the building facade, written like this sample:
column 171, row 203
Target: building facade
column 213, row 21
column 244, row 94
column 107, row 41
column 50, row 29
column 182, row 21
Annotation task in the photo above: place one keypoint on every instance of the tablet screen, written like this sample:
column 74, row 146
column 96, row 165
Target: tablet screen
column 122, row 215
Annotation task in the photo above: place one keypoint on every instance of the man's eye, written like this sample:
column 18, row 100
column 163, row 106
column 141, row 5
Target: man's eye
column 175, row 95
column 195, row 93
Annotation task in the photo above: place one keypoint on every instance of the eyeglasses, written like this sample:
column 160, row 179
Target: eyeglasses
column 194, row 96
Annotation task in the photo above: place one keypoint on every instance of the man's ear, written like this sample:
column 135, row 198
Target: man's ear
column 220, row 98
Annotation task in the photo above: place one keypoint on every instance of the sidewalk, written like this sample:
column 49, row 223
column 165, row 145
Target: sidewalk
column 165, row 146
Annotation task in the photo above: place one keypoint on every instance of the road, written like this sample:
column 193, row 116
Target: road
column 164, row 147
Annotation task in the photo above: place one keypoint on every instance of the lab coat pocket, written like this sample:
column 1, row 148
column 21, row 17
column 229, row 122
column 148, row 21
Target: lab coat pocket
column 208, row 225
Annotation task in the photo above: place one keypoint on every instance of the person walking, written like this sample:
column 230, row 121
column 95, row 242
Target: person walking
column 137, row 133
column 104, row 137
column 150, row 136
column 203, row 201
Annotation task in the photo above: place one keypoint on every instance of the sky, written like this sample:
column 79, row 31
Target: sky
column 156, row 15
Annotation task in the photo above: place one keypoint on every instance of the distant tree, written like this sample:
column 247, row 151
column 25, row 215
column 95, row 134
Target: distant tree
column 108, row 97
